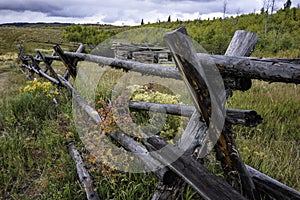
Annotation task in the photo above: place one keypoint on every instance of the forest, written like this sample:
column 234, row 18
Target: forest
column 278, row 32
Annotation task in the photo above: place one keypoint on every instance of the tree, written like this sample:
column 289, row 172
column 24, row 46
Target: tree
column 272, row 6
column 225, row 8
column 169, row 18
column 142, row 22
column 238, row 11
column 287, row 5
column 266, row 7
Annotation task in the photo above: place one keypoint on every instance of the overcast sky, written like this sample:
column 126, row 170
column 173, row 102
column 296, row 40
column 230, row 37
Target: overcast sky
column 122, row 12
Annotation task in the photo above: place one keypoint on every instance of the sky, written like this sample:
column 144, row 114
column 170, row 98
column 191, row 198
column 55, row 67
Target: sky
column 123, row 12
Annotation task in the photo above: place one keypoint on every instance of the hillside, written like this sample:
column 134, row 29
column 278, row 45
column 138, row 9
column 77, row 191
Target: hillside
column 278, row 33
column 33, row 36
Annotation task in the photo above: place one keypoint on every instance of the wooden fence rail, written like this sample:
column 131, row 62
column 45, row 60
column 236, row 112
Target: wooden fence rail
column 236, row 70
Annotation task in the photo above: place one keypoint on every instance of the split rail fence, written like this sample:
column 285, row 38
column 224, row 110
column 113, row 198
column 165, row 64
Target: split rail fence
column 236, row 68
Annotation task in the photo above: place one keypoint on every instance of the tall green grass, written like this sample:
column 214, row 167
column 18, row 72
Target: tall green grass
column 35, row 163
column 273, row 146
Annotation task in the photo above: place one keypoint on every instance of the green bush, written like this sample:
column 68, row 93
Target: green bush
column 35, row 103
column 152, row 122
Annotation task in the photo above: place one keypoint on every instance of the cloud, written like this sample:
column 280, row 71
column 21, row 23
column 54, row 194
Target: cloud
column 119, row 11
column 34, row 6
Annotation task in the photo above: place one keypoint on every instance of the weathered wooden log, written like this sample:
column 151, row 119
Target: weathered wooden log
column 141, row 153
column 186, row 60
column 28, row 77
column 279, row 60
column 256, row 69
column 84, row 177
column 53, row 80
column 243, row 117
column 233, row 165
column 230, row 62
column 205, row 86
column 183, row 53
column 242, row 44
column 74, row 63
column 48, row 65
column 70, row 63
column 172, row 109
column 233, row 116
column 81, row 101
column 272, row 187
column 234, row 66
column 208, row 185
column 153, row 69
column 39, row 72
column 81, row 48
column 263, row 182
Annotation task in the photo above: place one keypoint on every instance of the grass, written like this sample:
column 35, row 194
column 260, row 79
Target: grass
column 33, row 38
column 35, row 163
column 273, row 146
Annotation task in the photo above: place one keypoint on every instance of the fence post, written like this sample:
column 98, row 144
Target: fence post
column 242, row 44
column 197, row 130
column 69, row 62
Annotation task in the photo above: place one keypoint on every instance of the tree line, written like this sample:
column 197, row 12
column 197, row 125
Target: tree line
column 278, row 31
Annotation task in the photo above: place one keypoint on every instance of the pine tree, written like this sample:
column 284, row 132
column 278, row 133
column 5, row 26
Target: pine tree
column 287, row 5
column 142, row 22
column 169, row 18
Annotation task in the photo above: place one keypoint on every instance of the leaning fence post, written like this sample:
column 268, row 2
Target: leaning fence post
column 242, row 44
column 68, row 62
column 198, row 85
column 48, row 65
column 201, row 97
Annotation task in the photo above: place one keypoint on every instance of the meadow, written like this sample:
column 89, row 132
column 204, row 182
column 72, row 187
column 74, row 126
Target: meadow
column 34, row 132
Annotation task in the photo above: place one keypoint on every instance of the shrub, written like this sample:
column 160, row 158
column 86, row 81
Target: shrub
column 35, row 103
column 152, row 122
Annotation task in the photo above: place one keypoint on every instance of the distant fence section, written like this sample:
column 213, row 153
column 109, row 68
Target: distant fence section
column 237, row 70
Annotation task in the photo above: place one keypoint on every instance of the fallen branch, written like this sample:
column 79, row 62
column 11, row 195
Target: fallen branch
column 84, row 176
